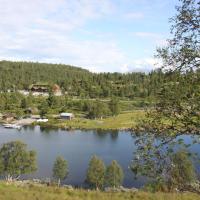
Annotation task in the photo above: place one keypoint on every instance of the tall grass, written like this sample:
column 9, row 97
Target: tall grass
column 13, row 192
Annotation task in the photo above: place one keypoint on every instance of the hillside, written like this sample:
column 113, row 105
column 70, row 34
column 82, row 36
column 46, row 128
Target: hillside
column 23, row 74
column 76, row 81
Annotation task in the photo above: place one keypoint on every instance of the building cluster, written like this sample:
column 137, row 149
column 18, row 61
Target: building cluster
column 42, row 90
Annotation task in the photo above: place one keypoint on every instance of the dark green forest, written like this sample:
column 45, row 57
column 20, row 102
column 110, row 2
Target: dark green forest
column 78, row 82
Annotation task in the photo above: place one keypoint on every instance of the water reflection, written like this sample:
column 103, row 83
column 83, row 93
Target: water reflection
column 101, row 134
column 47, row 130
column 26, row 128
column 114, row 135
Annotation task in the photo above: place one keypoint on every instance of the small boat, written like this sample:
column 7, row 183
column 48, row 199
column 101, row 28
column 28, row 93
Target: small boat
column 12, row 126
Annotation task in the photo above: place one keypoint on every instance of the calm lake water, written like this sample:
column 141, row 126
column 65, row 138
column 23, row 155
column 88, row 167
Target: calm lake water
column 77, row 147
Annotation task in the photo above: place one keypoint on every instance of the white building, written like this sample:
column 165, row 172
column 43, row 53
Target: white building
column 68, row 116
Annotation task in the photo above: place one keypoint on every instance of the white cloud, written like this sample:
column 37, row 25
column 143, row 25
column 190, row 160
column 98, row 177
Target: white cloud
column 43, row 31
column 50, row 13
column 47, row 46
column 141, row 65
column 147, row 35
column 134, row 15
column 157, row 38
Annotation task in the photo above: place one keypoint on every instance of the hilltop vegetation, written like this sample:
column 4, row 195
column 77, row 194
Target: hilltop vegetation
column 20, row 75
column 76, row 81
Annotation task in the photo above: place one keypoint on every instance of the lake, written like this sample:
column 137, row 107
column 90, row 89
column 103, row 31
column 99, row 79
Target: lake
column 77, row 147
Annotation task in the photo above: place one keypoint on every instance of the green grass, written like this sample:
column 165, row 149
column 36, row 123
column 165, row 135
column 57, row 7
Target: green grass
column 123, row 121
column 13, row 192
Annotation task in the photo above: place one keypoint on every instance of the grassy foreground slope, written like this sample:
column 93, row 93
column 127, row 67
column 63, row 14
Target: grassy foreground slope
column 122, row 121
column 12, row 192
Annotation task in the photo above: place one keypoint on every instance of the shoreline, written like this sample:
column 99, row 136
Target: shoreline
column 76, row 129
column 50, row 183
column 81, row 129
column 122, row 122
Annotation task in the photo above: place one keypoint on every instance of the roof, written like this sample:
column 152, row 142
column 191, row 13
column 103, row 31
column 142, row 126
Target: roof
column 56, row 88
column 43, row 86
column 9, row 115
column 66, row 114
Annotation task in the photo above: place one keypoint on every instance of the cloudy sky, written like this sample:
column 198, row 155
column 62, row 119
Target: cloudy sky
column 99, row 35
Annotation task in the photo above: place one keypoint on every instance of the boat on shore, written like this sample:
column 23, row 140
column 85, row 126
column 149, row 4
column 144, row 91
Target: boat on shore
column 14, row 126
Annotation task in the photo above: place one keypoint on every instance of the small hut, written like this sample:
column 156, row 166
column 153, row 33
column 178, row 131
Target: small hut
column 67, row 116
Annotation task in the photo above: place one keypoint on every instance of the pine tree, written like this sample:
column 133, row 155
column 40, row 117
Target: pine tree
column 43, row 108
column 114, row 106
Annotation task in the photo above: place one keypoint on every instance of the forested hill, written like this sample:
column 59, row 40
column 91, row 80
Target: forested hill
column 22, row 74
column 77, row 81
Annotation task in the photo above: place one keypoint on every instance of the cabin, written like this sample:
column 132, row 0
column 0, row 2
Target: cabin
column 42, row 88
column 67, row 116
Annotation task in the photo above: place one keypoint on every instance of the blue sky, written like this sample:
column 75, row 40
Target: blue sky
column 99, row 35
